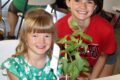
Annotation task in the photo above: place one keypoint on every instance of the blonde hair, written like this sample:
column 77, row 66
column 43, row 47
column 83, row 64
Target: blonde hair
column 37, row 20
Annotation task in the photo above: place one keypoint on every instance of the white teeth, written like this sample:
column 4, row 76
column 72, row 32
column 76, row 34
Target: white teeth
column 40, row 46
column 81, row 12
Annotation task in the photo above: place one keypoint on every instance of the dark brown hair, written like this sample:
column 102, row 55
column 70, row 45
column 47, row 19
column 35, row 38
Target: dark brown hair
column 99, row 6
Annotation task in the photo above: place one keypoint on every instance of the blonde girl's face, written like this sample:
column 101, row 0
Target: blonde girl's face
column 39, row 43
column 81, row 9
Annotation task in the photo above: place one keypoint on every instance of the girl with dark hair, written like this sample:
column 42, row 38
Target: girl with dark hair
column 85, row 14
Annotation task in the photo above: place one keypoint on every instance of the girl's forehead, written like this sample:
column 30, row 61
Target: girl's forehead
column 39, row 33
column 83, row 0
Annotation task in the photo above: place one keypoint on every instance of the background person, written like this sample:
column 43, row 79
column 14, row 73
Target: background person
column 18, row 6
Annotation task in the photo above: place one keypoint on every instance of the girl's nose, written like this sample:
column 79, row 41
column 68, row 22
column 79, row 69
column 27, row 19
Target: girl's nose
column 41, row 39
column 82, row 5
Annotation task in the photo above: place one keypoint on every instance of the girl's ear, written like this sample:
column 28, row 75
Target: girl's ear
column 95, row 7
column 68, row 3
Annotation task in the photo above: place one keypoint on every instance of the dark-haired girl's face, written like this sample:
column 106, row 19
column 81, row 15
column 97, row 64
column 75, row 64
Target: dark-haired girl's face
column 81, row 9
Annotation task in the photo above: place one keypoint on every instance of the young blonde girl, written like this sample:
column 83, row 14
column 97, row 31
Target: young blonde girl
column 33, row 54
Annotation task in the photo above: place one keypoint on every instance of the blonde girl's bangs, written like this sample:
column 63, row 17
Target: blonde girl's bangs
column 39, row 25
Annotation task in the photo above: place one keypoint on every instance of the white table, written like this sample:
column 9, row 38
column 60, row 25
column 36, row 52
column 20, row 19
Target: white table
column 114, row 77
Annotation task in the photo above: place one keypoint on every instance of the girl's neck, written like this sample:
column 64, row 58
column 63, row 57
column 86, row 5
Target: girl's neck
column 82, row 24
column 37, row 61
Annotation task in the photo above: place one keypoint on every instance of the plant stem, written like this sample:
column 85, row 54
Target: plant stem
column 66, row 77
column 70, row 57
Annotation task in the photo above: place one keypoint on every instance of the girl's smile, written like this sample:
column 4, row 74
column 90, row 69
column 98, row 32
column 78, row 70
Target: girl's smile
column 39, row 43
column 81, row 9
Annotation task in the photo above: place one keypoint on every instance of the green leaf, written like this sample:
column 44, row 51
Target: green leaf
column 74, row 24
column 70, row 67
column 80, row 42
column 73, row 38
column 69, row 43
column 72, row 48
column 76, row 33
column 73, row 71
column 85, row 36
column 63, row 40
column 64, row 65
column 85, row 69
column 86, row 66
column 81, row 63
column 85, row 62
column 83, row 45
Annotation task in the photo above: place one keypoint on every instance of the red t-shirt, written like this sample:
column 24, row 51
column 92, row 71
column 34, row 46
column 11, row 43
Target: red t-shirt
column 100, row 29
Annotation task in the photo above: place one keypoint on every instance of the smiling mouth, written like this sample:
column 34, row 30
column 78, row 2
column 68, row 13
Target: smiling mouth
column 41, row 46
column 82, row 12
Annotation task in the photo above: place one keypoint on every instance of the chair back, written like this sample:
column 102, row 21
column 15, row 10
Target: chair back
column 7, row 48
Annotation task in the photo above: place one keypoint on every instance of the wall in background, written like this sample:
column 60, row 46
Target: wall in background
column 108, row 4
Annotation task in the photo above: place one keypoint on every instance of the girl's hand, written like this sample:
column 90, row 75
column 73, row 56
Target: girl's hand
column 63, row 77
column 84, row 76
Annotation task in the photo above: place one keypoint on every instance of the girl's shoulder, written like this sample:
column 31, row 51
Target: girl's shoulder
column 101, row 26
column 13, row 62
column 63, row 20
column 97, row 19
column 14, row 65
column 101, row 23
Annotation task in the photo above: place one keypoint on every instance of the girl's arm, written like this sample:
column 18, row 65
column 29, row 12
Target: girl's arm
column 109, row 66
column 98, row 66
column 11, row 76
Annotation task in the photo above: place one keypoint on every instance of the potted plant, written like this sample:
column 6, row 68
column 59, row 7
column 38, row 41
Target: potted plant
column 72, row 63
